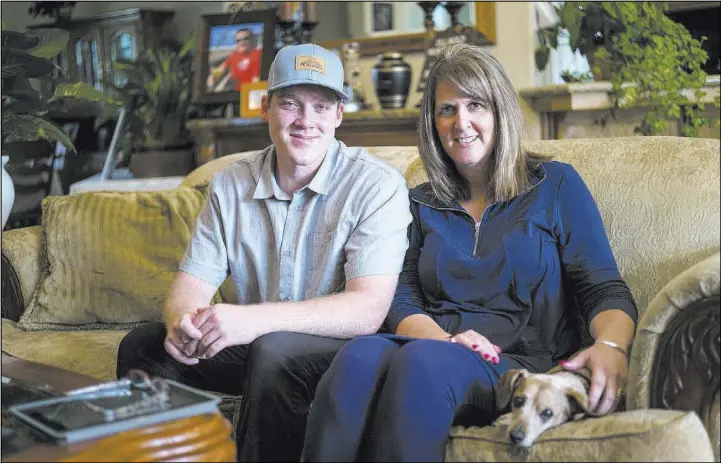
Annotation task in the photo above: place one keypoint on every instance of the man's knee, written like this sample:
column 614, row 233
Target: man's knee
column 139, row 346
column 284, row 355
column 274, row 351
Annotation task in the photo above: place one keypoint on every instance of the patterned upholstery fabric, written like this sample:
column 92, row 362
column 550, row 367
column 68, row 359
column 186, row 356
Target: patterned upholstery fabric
column 658, row 197
column 701, row 281
column 22, row 247
column 639, row 435
column 92, row 353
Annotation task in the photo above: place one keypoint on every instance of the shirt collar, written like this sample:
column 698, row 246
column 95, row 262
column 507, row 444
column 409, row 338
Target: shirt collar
column 268, row 186
column 321, row 180
column 424, row 193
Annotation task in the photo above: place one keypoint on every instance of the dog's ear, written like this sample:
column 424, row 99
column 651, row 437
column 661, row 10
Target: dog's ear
column 578, row 401
column 506, row 385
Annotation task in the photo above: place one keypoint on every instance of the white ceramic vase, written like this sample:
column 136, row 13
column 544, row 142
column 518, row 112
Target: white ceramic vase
column 8, row 192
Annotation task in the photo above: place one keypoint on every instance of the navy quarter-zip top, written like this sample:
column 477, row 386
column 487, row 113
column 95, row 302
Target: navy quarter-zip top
column 522, row 277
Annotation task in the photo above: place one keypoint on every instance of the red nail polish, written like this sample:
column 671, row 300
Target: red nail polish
column 563, row 362
column 474, row 346
column 485, row 356
column 495, row 360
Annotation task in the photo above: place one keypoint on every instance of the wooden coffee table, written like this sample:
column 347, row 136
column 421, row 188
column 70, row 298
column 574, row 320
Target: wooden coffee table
column 198, row 438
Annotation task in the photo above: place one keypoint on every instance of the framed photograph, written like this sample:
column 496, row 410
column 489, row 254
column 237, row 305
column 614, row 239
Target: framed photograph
column 382, row 17
column 251, row 95
column 232, row 49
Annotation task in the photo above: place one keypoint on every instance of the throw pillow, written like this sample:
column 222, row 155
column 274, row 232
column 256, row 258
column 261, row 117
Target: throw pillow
column 110, row 257
column 638, row 435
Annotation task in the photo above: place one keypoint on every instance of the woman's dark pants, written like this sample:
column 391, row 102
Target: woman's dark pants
column 390, row 398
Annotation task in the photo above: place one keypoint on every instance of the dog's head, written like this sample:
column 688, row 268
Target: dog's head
column 539, row 402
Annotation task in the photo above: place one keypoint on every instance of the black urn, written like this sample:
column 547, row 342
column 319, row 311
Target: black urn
column 392, row 80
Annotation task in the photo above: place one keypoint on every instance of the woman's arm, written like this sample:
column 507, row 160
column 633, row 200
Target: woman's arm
column 588, row 262
column 615, row 326
column 409, row 301
column 601, row 294
column 422, row 326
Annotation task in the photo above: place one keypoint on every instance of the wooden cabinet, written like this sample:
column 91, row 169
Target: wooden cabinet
column 96, row 42
column 221, row 137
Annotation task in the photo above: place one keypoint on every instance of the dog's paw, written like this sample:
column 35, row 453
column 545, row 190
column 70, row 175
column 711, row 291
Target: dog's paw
column 502, row 421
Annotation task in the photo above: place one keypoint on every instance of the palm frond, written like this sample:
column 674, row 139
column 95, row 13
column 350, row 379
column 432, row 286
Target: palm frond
column 27, row 127
column 188, row 47
column 79, row 90
column 51, row 42
column 14, row 62
column 12, row 40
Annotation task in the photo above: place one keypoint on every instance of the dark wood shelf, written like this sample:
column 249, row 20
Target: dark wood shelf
column 223, row 136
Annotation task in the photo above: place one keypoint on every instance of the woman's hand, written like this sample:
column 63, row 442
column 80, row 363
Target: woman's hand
column 478, row 343
column 609, row 370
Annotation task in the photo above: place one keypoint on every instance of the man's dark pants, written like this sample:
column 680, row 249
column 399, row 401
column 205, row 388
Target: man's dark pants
column 276, row 375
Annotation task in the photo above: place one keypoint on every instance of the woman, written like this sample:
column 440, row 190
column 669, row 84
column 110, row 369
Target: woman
column 507, row 251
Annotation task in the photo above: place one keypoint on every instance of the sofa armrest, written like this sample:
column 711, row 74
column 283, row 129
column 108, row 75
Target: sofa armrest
column 675, row 355
column 22, row 259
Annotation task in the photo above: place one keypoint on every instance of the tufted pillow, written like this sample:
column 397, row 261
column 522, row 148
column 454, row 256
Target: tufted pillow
column 110, row 257
column 639, row 435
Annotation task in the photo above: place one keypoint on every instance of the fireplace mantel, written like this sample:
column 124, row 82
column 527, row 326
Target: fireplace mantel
column 570, row 110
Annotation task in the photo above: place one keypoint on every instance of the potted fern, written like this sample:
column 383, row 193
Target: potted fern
column 650, row 60
column 157, row 92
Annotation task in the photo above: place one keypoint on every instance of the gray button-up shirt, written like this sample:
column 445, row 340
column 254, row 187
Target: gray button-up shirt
column 350, row 221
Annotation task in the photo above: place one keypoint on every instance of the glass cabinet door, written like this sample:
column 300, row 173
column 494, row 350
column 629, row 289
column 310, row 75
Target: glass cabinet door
column 122, row 47
column 87, row 61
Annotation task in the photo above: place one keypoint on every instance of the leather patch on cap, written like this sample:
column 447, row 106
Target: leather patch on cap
column 310, row 63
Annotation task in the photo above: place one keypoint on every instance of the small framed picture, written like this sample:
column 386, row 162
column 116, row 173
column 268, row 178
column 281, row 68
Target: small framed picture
column 232, row 49
column 382, row 17
column 251, row 95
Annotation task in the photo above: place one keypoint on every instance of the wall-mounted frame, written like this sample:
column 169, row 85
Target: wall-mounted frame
column 232, row 49
column 485, row 16
column 251, row 95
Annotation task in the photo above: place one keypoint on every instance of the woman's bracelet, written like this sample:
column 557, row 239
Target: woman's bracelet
column 614, row 345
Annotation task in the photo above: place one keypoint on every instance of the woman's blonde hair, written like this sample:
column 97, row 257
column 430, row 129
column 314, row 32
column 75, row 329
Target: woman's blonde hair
column 477, row 75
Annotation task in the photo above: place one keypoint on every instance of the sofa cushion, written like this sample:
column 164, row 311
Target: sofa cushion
column 658, row 197
column 639, row 435
column 92, row 353
column 110, row 257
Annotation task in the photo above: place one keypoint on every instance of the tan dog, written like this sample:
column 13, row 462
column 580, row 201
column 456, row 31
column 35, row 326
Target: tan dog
column 541, row 401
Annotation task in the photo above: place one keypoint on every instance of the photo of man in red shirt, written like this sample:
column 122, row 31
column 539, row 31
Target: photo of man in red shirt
column 241, row 66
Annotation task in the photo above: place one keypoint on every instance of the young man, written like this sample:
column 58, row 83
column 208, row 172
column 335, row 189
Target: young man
column 313, row 234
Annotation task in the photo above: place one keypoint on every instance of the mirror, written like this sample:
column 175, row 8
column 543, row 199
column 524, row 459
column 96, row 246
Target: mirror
column 381, row 26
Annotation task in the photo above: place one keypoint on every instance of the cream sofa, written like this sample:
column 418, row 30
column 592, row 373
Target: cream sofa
column 659, row 198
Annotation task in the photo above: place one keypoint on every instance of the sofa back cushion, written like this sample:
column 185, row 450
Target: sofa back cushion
column 110, row 257
column 659, row 200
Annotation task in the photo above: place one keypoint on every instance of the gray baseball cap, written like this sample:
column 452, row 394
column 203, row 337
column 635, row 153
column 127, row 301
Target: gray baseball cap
column 306, row 64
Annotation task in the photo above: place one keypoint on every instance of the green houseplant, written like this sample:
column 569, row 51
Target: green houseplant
column 650, row 60
column 26, row 111
column 27, row 56
column 156, row 90
column 589, row 26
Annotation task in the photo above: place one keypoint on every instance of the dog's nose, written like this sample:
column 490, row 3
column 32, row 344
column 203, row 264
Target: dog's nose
column 517, row 435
